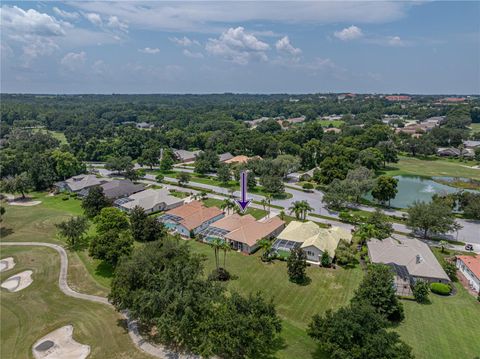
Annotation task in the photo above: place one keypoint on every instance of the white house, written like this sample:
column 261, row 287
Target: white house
column 469, row 266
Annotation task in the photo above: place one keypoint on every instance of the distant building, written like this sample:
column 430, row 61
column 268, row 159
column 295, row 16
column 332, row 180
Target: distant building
column 332, row 129
column 469, row 266
column 225, row 156
column 453, row 99
column 410, row 253
column 398, row 98
column 471, row 144
column 455, row 152
column 241, row 159
column 190, row 218
column 185, row 156
column 150, row 200
column 144, row 125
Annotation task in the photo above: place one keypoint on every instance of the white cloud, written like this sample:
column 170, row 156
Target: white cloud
column 395, row 41
column 149, row 50
column 349, row 33
column 204, row 16
column 184, row 41
column 31, row 21
column 74, row 61
column 115, row 23
column 94, row 18
column 238, row 46
column 65, row 14
column 99, row 67
column 284, row 45
column 195, row 55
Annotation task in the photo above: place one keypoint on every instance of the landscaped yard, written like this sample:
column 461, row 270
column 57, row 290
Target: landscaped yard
column 255, row 212
column 445, row 329
column 432, row 168
column 55, row 134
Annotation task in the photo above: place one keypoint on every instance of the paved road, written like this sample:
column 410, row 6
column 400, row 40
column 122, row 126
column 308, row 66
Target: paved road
column 470, row 232
column 156, row 351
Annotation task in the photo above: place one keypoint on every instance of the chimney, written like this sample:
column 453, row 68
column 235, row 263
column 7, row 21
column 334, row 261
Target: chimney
column 418, row 258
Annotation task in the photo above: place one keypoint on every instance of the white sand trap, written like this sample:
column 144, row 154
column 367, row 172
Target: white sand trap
column 6, row 264
column 18, row 281
column 24, row 203
column 59, row 344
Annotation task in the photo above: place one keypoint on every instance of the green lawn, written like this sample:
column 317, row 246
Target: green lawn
column 56, row 134
column 432, row 167
column 255, row 212
column 475, row 127
column 327, row 123
column 41, row 308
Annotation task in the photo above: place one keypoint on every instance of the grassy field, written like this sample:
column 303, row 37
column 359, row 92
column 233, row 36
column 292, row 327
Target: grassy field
column 41, row 308
column 327, row 123
column 444, row 329
column 475, row 127
column 431, row 168
column 56, row 134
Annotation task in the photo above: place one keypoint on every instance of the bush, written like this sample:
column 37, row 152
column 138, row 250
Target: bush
column 325, row 260
column 220, row 274
column 451, row 270
column 420, row 291
column 307, row 186
column 159, row 177
column 440, row 288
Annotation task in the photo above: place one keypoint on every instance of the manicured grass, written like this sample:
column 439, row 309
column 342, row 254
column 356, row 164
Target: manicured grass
column 431, row 168
column 41, row 308
column 447, row 328
column 56, row 134
column 327, row 123
column 179, row 194
column 329, row 288
column 255, row 212
column 475, row 127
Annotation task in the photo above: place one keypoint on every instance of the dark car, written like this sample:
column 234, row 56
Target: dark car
column 469, row 247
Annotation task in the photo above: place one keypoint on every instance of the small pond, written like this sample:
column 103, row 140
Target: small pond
column 414, row 188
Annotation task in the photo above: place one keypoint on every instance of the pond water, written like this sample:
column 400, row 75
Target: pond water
column 413, row 188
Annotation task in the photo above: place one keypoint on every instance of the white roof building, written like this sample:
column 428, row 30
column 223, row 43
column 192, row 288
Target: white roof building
column 151, row 200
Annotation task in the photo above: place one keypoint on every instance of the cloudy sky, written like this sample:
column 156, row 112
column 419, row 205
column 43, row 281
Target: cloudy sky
column 255, row 47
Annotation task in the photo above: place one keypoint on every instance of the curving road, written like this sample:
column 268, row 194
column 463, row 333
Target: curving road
column 156, row 351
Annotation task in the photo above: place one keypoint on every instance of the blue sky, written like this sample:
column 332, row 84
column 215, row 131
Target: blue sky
column 254, row 47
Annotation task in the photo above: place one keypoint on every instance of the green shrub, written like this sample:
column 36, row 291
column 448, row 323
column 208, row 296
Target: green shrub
column 307, row 186
column 440, row 288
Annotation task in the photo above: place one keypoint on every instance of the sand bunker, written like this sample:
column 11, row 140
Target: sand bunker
column 18, row 281
column 59, row 344
column 24, row 203
column 6, row 264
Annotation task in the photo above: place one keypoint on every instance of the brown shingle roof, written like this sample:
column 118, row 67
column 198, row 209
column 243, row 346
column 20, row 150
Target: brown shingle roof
column 193, row 214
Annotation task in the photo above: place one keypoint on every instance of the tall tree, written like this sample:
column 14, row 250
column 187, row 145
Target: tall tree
column 166, row 163
column 66, row 164
column 223, row 173
column 385, row 189
column 430, row 218
column 389, row 152
column 18, row 184
column 183, row 178
column 94, row 201
column 377, row 289
column 297, row 265
column 73, row 229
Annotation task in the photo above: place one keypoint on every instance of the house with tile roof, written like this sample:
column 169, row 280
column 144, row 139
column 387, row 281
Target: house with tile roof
column 411, row 253
column 116, row 189
column 243, row 232
column 313, row 239
column 190, row 218
column 80, row 182
column 469, row 266
column 151, row 200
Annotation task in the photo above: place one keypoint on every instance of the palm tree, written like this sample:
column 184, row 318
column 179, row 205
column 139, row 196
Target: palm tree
column 216, row 244
column 203, row 195
column 266, row 245
column 305, row 209
column 225, row 248
column 443, row 244
column 264, row 204
column 268, row 198
column 296, row 208
column 227, row 205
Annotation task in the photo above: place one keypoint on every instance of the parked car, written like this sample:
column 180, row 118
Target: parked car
column 469, row 247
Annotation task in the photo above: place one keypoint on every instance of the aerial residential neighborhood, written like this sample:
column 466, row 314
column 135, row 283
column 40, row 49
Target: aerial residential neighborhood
column 240, row 180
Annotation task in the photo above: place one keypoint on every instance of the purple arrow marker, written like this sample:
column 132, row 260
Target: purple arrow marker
column 243, row 203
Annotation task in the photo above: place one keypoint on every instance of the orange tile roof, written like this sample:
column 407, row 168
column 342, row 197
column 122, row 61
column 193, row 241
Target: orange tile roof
column 254, row 231
column 193, row 214
column 233, row 222
column 472, row 262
